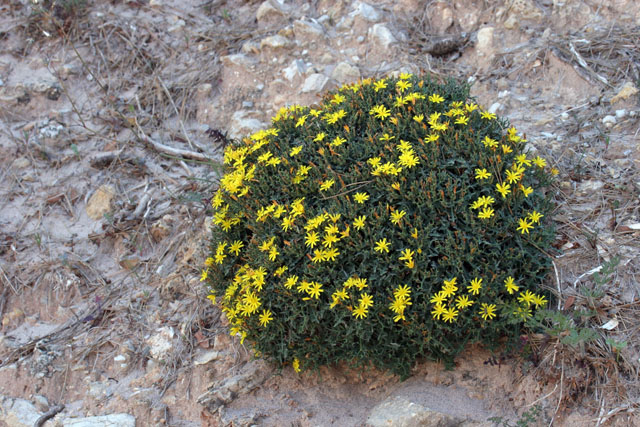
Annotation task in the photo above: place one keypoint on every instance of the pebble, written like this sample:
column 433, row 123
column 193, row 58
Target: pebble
column 315, row 83
column 247, row 104
column 621, row 114
column 366, row 11
column 381, row 35
column 495, row 107
column 275, row 42
column 609, row 121
column 344, row 72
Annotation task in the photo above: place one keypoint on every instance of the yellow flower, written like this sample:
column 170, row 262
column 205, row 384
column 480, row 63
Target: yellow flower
column 540, row 162
column 291, row 282
column 280, row 271
column 513, row 176
column 450, row 315
column 487, row 115
column 329, row 240
column 287, row 222
column 212, row 298
column 526, row 297
column 365, row 300
column 337, row 99
column 337, row 141
column 335, row 217
column 486, row 213
column 524, row 226
column 462, row 301
column 360, row 312
column 319, row 137
column 265, row 317
column 318, row 256
column 554, row 171
column 438, row 298
column 204, row 275
column 361, row 197
column 208, row 262
column 380, row 84
column 301, row 121
column 296, row 365
column 358, row 223
column 396, row 216
column 539, row 300
column 382, row 245
column 470, row 107
column 462, row 120
column 475, row 286
column 510, row 285
column 402, row 292
column 503, row 189
column 387, row 137
column 407, row 255
column 506, row 149
column 374, row 161
column 273, row 253
column 526, row 191
column 380, row 112
column 315, row 290
column 311, row 239
column 435, row 98
column 405, row 76
column 419, row 118
column 482, row 174
column 304, row 286
column 403, row 85
column 535, row 217
column 521, row 159
column 331, row 229
column 408, row 159
column 524, row 313
column 488, row 311
column 489, row 143
column 327, row 185
column 486, row 200
column 438, row 311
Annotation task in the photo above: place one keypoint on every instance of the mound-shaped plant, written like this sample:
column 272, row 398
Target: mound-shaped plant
column 394, row 220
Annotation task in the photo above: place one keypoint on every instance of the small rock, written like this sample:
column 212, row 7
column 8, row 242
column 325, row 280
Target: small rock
column 260, row 87
column 306, row 32
column 366, row 11
column 381, row 35
column 511, row 22
column 238, row 59
column 590, row 187
column 275, row 42
column 495, row 107
column 161, row 342
column 99, row 203
column 113, row 420
column 207, row 357
column 315, row 83
column 18, row 412
column 400, row 412
column 41, row 403
column 609, row 121
column 440, row 17
column 344, row 72
column 620, row 114
column 247, row 104
column 269, row 13
column 485, row 40
column 296, row 68
column 242, row 124
column 626, row 91
column 21, row 163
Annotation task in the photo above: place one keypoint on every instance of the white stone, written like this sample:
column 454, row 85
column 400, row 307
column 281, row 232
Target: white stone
column 485, row 40
column 344, row 72
column 238, row 59
column 296, row 68
column 275, row 42
column 400, row 412
column 268, row 12
column 315, row 83
column 609, row 121
column 114, row 420
column 503, row 94
column 207, row 357
column 242, row 124
column 161, row 342
column 620, row 114
column 306, row 32
column 366, row 11
column 18, row 412
column 495, row 107
column 381, row 35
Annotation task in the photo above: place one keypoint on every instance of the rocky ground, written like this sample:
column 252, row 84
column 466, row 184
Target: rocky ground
column 113, row 116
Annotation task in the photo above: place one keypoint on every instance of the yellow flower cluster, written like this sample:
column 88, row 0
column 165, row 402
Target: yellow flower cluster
column 401, row 300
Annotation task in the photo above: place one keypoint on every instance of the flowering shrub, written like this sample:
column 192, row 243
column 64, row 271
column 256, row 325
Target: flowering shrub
column 394, row 220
